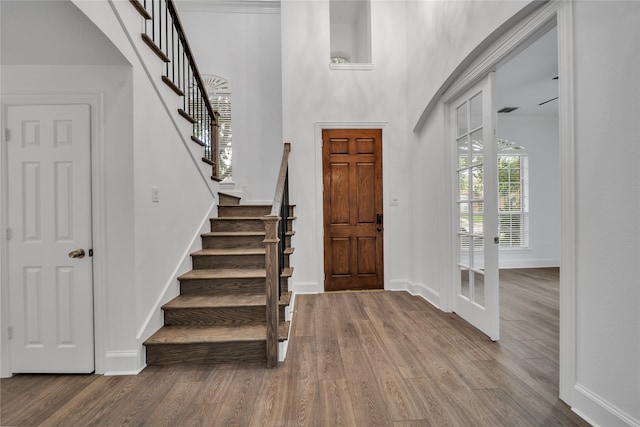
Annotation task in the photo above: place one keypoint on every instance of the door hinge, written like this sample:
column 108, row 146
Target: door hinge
column 496, row 240
column 7, row 135
column 8, row 234
column 10, row 332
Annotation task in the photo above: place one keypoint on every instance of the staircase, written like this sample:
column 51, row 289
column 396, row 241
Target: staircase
column 220, row 314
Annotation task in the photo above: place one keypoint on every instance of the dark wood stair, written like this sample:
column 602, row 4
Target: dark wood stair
column 220, row 314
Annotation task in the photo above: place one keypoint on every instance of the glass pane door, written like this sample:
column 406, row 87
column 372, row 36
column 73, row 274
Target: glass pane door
column 476, row 210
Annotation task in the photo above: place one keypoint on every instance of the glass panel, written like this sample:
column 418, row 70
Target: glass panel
column 503, row 196
column 463, row 184
column 462, row 119
column 514, row 196
column 478, row 288
column 464, row 283
column 477, row 182
column 510, row 226
column 464, row 250
column 477, row 147
column 464, row 217
column 463, row 152
column 476, row 111
column 477, row 256
column 478, row 218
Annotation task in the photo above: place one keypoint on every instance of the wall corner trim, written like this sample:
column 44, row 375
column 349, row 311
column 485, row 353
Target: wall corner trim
column 124, row 362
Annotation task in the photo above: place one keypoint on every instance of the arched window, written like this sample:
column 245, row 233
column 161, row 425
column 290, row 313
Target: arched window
column 219, row 94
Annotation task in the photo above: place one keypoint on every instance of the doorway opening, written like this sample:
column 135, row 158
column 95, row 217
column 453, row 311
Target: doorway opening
column 527, row 103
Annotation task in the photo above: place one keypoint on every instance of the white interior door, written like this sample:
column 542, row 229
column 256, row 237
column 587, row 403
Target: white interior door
column 50, row 269
column 475, row 187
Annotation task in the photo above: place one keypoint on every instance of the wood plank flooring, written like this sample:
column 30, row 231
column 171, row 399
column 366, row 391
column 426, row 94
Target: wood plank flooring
column 355, row 359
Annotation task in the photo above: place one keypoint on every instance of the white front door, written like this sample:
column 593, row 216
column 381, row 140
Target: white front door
column 49, row 221
column 475, row 192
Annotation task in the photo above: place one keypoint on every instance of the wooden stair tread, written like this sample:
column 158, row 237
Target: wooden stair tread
column 229, row 251
column 231, row 273
column 220, row 301
column 237, row 218
column 214, row 334
column 226, row 205
column 232, row 233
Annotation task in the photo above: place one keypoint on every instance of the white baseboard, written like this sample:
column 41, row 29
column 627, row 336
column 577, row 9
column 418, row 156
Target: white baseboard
column 528, row 263
column 282, row 350
column 307, row 288
column 597, row 411
column 123, row 363
column 424, row 291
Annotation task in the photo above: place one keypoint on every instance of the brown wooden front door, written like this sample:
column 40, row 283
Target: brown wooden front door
column 352, row 198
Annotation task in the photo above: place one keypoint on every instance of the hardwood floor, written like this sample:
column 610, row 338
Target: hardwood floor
column 355, row 359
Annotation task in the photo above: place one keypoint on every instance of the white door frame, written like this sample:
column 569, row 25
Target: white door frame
column 508, row 45
column 95, row 102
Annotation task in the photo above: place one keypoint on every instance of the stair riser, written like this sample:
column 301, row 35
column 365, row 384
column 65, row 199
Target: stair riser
column 243, row 210
column 225, row 199
column 218, row 224
column 227, row 286
column 227, row 261
column 224, row 316
column 237, row 352
column 223, row 286
column 232, row 242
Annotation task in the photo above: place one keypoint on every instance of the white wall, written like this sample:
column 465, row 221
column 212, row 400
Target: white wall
column 443, row 35
column 607, row 252
column 164, row 157
column 539, row 135
column 314, row 94
column 607, row 109
column 244, row 48
column 140, row 247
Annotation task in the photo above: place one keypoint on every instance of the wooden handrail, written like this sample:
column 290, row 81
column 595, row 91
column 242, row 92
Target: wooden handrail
column 275, row 231
column 187, row 51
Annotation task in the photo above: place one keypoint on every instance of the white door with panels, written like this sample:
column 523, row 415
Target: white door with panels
column 476, row 209
column 49, row 238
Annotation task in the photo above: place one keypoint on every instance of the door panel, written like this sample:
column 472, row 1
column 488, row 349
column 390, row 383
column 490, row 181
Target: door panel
column 352, row 198
column 51, row 294
column 476, row 297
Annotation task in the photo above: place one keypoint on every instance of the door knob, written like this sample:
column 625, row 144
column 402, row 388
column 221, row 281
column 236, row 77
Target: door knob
column 78, row 253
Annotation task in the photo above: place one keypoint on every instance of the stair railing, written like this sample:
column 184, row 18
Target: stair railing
column 276, row 227
column 164, row 34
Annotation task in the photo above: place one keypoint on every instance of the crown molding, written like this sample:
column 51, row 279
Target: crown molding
column 229, row 6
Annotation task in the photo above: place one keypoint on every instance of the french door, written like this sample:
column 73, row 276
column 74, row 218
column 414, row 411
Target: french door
column 476, row 209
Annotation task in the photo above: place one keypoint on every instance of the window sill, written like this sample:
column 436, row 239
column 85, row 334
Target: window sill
column 515, row 250
column 360, row 67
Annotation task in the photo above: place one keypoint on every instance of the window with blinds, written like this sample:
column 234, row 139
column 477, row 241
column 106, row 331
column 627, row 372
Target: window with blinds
column 219, row 93
column 221, row 102
column 513, row 201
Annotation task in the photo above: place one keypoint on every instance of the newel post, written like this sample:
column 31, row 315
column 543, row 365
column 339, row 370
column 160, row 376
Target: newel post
column 273, row 277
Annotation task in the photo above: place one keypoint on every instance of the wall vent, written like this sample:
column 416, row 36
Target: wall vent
column 507, row 109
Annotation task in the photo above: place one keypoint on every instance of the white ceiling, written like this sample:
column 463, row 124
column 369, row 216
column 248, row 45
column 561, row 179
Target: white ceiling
column 527, row 79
